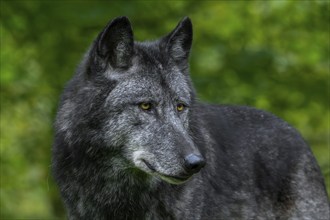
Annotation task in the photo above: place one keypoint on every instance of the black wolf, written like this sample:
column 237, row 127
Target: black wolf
column 132, row 142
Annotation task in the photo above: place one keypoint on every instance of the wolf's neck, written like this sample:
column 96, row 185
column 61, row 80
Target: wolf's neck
column 123, row 194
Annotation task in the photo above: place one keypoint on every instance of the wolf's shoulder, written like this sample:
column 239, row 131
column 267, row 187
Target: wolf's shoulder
column 238, row 114
column 248, row 124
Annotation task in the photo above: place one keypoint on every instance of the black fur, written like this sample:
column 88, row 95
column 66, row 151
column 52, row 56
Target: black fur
column 258, row 167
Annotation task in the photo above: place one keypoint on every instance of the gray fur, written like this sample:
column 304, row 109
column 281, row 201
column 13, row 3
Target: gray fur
column 114, row 160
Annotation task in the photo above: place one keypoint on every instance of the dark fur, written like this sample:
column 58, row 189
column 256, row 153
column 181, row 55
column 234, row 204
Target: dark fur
column 258, row 167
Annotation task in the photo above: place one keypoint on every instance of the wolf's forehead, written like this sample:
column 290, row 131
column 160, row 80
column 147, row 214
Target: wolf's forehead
column 151, row 86
column 178, row 82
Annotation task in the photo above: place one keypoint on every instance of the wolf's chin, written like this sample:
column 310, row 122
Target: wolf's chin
column 167, row 178
column 172, row 179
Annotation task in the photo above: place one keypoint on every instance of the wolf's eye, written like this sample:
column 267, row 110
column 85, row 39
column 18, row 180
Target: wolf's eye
column 180, row 107
column 145, row 106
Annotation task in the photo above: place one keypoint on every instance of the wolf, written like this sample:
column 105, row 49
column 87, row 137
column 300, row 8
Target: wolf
column 133, row 142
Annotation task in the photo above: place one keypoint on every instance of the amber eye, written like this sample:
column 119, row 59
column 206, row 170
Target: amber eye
column 180, row 107
column 145, row 106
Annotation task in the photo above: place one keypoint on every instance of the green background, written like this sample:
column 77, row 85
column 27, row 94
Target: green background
column 272, row 55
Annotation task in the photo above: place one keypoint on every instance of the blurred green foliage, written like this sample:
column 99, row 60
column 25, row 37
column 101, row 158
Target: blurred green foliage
column 272, row 55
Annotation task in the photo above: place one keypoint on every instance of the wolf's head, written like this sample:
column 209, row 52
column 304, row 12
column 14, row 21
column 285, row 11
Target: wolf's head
column 136, row 98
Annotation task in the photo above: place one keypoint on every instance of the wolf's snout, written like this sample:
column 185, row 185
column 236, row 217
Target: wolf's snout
column 193, row 163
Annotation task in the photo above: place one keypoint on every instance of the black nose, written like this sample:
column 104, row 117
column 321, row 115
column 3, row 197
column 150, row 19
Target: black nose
column 193, row 163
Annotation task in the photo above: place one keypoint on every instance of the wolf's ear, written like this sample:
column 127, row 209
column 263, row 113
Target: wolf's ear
column 115, row 44
column 179, row 41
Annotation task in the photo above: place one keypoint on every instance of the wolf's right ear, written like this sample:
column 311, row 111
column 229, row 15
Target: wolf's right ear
column 114, row 45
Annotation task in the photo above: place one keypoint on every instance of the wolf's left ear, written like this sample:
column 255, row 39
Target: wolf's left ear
column 178, row 42
column 115, row 44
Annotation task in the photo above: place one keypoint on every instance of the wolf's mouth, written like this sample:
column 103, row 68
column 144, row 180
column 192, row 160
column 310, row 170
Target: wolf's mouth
column 167, row 178
column 149, row 165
